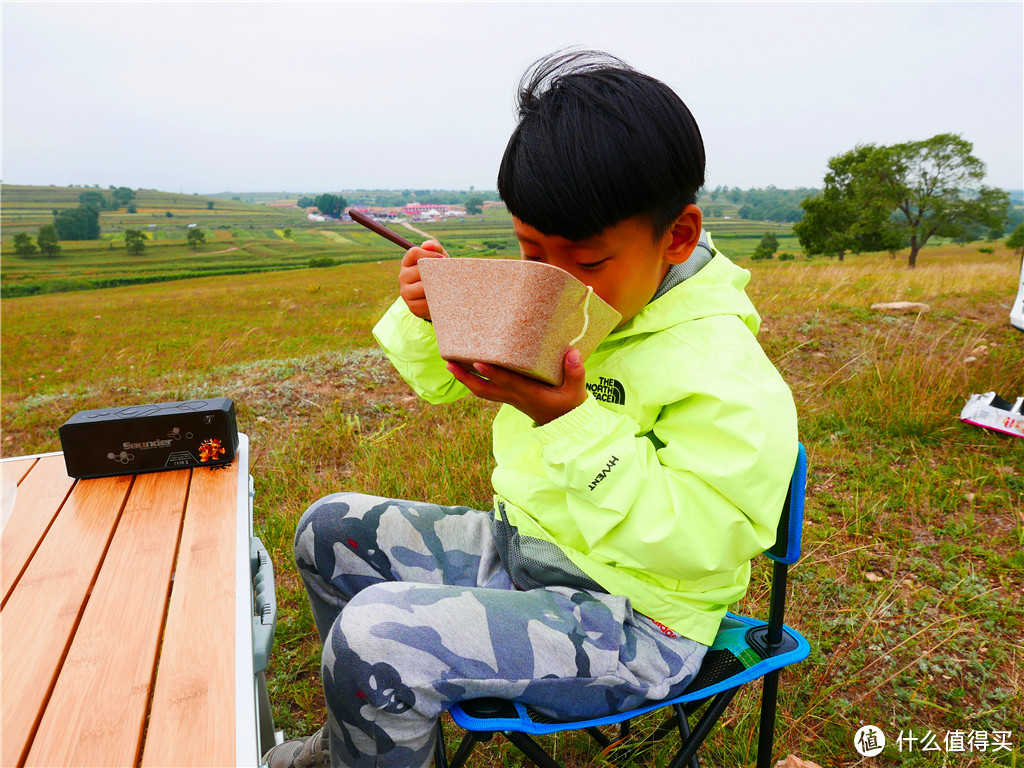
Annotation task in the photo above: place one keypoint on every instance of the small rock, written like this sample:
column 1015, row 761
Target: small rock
column 792, row 761
column 872, row 576
column 905, row 307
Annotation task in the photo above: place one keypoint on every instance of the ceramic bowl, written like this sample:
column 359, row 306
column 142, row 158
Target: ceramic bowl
column 521, row 315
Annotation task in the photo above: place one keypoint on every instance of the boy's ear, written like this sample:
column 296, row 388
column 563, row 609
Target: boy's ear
column 685, row 234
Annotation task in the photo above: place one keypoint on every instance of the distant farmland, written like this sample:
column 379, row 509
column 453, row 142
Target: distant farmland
column 249, row 238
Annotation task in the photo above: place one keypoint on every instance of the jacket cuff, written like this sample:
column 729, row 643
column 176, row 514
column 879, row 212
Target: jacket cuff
column 399, row 326
column 587, row 417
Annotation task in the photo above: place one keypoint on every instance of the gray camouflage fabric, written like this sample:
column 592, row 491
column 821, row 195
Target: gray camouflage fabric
column 416, row 612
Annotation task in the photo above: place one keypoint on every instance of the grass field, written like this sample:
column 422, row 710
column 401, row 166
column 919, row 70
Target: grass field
column 910, row 588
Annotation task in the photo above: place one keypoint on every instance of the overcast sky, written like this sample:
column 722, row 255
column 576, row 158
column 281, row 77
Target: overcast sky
column 306, row 97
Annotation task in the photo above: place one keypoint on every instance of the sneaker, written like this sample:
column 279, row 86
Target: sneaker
column 310, row 752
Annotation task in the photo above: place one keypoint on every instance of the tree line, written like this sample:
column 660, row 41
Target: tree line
column 757, row 204
column 390, row 198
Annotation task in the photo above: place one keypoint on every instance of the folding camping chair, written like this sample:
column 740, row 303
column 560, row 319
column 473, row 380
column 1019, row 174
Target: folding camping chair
column 744, row 650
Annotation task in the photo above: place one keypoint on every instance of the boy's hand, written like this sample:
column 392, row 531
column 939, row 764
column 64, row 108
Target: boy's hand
column 410, row 286
column 541, row 402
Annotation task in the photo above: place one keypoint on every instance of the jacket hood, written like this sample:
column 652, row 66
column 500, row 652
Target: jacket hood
column 717, row 289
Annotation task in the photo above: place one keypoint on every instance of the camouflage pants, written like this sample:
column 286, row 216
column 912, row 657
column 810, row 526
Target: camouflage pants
column 416, row 612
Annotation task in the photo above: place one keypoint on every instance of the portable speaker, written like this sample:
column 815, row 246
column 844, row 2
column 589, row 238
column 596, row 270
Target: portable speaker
column 150, row 438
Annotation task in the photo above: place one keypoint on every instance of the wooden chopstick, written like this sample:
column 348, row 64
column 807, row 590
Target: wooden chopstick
column 380, row 229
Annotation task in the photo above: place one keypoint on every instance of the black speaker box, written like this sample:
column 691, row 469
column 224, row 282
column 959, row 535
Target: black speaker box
column 150, row 438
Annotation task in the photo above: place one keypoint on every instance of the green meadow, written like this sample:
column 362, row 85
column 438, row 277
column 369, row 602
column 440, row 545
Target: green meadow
column 911, row 584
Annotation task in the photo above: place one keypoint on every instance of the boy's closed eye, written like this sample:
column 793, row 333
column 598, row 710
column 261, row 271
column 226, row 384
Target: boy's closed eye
column 587, row 265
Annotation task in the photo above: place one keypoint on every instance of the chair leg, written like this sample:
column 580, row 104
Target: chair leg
column 663, row 729
column 684, row 731
column 703, row 728
column 466, row 747
column 531, row 749
column 602, row 740
column 766, row 730
column 440, row 751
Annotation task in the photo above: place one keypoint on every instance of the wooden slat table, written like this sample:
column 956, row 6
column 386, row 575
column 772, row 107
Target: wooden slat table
column 126, row 623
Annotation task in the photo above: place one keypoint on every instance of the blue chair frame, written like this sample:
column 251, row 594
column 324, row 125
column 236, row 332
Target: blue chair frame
column 744, row 650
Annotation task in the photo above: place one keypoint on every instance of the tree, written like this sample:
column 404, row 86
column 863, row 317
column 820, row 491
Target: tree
column 839, row 219
column 330, row 205
column 134, row 241
column 889, row 197
column 23, row 245
column 1016, row 238
column 122, row 196
column 196, row 238
column 81, row 223
column 767, row 247
column 474, row 204
column 48, row 241
column 93, row 199
column 209, row 205
column 821, row 230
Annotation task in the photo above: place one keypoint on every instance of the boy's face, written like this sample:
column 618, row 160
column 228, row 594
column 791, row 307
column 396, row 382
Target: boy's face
column 623, row 263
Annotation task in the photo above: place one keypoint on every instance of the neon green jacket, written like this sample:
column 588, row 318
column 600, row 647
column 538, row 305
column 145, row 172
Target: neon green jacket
column 672, row 474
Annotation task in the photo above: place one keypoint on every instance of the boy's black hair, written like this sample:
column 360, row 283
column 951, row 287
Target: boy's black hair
column 598, row 142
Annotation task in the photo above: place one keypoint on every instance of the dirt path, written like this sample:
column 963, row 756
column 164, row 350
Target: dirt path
column 228, row 250
column 407, row 225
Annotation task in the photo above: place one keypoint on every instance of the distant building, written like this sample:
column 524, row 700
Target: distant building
column 429, row 210
column 379, row 212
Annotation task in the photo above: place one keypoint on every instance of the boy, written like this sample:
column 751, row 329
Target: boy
column 628, row 501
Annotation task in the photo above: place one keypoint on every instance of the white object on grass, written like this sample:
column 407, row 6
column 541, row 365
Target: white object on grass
column 992, row 412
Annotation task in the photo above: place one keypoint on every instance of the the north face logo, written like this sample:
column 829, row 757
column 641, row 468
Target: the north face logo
column 608, row 390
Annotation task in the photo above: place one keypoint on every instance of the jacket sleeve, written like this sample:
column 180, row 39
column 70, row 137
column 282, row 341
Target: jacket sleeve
column 698, row 495
column 411, row 346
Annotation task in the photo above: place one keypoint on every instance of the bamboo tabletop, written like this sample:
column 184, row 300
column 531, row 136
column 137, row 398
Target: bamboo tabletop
column 119, row 616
